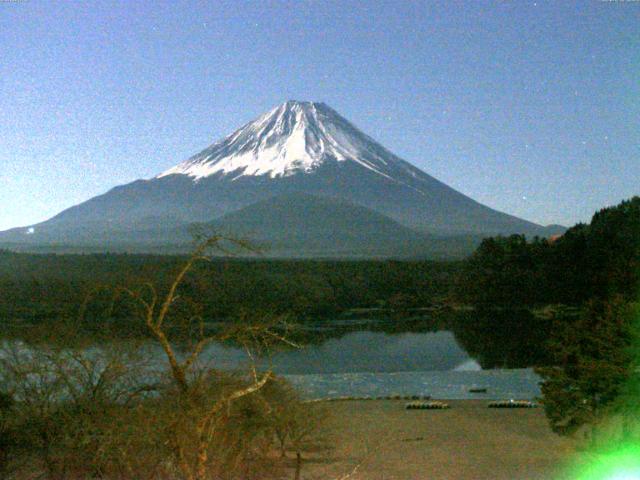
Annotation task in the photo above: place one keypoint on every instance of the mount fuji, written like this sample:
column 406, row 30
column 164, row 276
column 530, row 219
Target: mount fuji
column 285, row 173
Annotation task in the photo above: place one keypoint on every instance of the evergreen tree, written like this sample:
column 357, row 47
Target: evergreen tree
column 593, row 361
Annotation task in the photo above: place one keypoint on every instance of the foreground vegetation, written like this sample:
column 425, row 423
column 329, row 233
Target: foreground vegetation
column 70, row 410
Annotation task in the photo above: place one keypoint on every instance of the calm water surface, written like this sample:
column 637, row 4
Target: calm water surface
column 372, row 364
column 362, row 351
column 367, row 363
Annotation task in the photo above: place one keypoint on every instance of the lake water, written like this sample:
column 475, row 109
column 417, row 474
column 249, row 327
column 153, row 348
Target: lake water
column 361, row 361
column 372, row 364
column 454, row 384
column 360, row 351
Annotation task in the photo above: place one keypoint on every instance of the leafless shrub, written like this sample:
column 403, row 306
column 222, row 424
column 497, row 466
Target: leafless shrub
column 84, row 411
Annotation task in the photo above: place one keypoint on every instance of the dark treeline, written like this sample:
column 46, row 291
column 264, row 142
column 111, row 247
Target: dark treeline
column 36, row 288
column 592, row 261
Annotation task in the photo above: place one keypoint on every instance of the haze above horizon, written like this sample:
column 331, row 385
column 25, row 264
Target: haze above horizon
column 531, row 108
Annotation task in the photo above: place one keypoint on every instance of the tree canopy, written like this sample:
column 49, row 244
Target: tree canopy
column 597, row 260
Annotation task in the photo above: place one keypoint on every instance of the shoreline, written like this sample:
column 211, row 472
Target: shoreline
column 385, row 441
column 500, row 384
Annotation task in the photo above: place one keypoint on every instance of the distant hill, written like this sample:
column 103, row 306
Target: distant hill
column 306, row 225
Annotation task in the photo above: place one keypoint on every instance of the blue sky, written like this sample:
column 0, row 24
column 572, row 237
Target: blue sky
column 532, row 107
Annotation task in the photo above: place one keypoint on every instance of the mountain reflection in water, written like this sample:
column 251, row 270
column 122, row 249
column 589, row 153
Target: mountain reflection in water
column 462, row 341
column 361, row 351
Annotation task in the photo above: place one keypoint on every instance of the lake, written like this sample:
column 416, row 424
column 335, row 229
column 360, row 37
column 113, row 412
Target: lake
column 360, row 351
column 379, row 359
column 367, row 363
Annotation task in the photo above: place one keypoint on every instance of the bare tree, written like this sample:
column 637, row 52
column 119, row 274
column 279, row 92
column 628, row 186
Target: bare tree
column 69, row 405
column 87, row 410
column 202, row 407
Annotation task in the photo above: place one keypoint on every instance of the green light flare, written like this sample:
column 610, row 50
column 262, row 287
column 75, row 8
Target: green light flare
column 620, row 464
column 621, row 460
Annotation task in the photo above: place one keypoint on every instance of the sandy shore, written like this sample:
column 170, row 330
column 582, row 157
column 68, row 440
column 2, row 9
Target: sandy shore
column 469, row 441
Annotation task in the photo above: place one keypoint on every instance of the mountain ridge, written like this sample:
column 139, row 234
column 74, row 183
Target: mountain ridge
column 295, row 147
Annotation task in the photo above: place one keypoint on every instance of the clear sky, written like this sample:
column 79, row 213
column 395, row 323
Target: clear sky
column 531, row 107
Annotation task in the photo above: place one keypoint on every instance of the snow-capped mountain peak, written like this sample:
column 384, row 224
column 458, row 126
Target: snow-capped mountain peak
column 282, row 169
column 292, row 138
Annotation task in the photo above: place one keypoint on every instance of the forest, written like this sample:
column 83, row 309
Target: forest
column 596, row 260
column 37, row 288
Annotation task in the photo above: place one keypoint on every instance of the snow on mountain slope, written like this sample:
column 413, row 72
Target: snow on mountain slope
column 296, row 148
column 292, row 138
